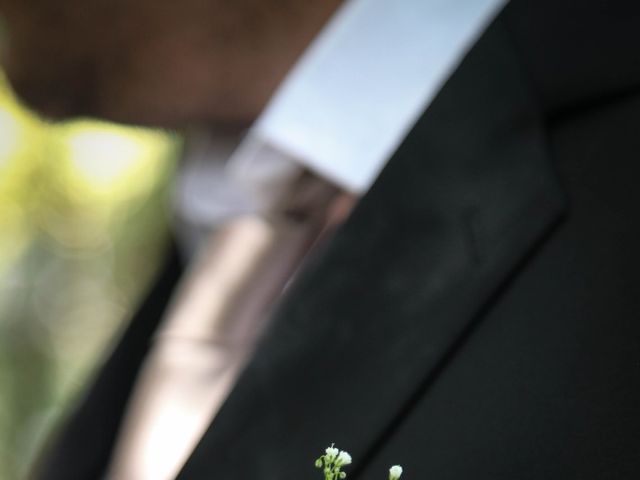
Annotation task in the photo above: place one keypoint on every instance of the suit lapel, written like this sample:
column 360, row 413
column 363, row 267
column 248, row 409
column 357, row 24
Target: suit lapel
column 374, row 317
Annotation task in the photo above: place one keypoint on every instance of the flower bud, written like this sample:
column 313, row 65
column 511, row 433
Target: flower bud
column 395, row 472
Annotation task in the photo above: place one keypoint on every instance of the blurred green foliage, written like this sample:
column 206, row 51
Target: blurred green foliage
column 83, row 219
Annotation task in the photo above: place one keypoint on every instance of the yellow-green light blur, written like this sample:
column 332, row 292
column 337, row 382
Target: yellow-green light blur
column 83, row 220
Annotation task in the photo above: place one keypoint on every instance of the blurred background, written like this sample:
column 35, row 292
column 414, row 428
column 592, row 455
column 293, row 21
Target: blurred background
column 83, row 221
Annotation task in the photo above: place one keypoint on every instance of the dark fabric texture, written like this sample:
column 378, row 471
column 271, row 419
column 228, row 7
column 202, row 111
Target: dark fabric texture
column 478, row 315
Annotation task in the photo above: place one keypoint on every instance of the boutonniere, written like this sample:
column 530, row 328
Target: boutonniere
column 334, row 459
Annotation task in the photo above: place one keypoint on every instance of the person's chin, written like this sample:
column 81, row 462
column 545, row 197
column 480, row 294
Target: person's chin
column 152, row 114
column 110, row 112
column 176, row 116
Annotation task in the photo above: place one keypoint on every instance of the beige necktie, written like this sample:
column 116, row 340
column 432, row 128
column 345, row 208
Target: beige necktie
column 212, row 325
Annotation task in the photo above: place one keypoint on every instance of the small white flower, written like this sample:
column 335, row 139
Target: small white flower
column 395, row 472
column 343, row 458
column 332, row 452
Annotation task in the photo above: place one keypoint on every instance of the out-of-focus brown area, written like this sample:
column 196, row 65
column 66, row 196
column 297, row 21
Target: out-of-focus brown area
column 83, row 219
column 156, row 62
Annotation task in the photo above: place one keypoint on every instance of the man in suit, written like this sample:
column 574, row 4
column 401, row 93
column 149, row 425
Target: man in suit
column 477, row 314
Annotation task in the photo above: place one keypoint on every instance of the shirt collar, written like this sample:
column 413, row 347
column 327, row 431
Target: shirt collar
column 341, row 112
column 361, row 85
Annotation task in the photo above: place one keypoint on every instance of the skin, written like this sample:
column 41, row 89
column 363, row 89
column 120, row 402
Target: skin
column 163, row 63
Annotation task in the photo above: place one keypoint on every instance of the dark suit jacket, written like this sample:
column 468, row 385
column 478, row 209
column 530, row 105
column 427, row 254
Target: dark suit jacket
column 478, row 316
